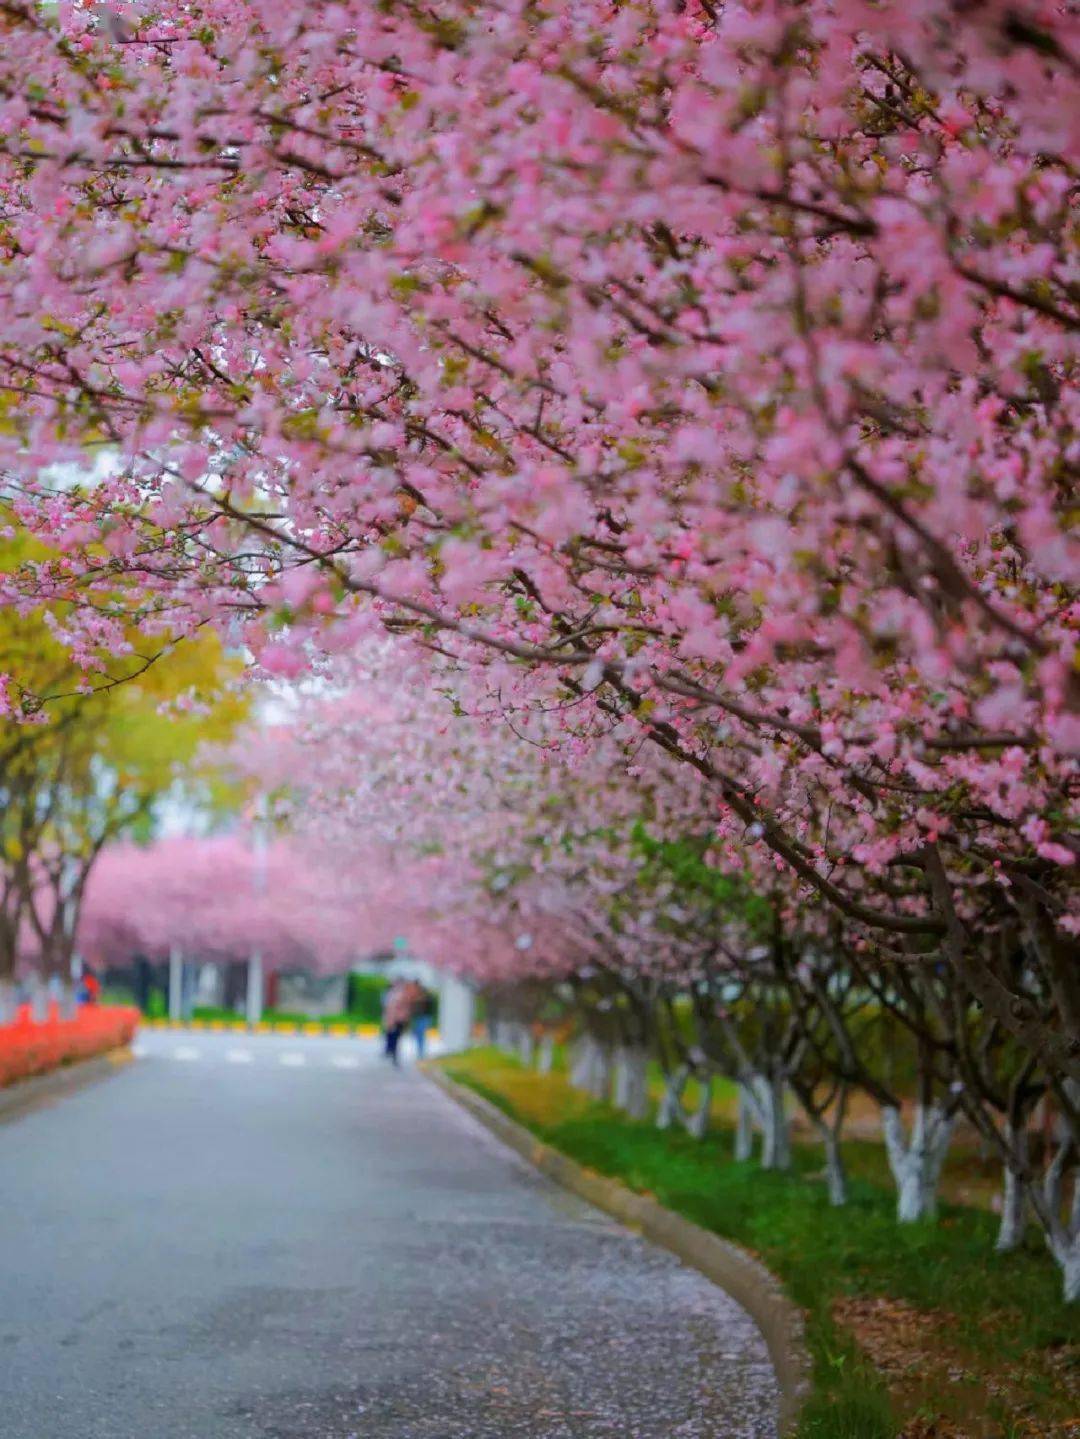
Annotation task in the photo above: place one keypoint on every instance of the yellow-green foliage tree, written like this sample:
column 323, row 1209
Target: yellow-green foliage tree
column 89, row 754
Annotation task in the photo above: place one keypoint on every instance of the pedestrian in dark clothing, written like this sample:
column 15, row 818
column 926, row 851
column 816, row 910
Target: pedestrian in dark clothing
column 423, row 1018
column 397, row 1011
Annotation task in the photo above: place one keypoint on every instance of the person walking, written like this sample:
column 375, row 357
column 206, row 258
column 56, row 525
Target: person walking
column 397, row 1011
column 423, row 1018
column 89, row 991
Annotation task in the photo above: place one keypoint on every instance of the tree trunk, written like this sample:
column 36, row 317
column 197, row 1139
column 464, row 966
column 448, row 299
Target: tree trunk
column 7, row 1001
column 670, row 1108
column 744, row 1124
column 545, row 1055
column 631, row 1091
column 39, row 998
column 1062, row 1237
column 775, row 1125
column 526, row 1043
column 582, row 1061
column 916, row 1163
column 835, row 1174
column 65, row 998
column 1014, row 1195
column 698, row 1123
column 599, row 1085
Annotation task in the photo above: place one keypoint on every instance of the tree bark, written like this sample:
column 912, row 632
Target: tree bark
column 697, row 1123
column 631, row 1089
column 775, row 1125
column 670, row 1109
column 835, row 1174
column 1014, row 1195
column 916, row 1162
column 600, row 1069
column 744, row 1124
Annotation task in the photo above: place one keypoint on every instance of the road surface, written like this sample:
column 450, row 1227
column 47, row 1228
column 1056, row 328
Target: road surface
column 271, row 1238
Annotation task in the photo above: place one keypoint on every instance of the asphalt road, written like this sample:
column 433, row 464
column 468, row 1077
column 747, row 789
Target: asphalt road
column 303, row 1244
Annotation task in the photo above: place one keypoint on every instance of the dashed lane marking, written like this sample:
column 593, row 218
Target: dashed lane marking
column 185, row 1051
column 345, row 1061
column 293, row 1060
column 239, row 1056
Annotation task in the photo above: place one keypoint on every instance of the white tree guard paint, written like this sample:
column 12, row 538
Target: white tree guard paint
column 1062, row 1235
column 697, row 1122
column 525, row 1043
column 545, row 1054
column 582, row 1059
column 7, row 1001
column 835, row 1174
column 775, row 1123
column 744, row 1124
column 916, row 1162
column 630, row 1073
column 1014, row 1194
column 670, row 1110
column 600, row 1071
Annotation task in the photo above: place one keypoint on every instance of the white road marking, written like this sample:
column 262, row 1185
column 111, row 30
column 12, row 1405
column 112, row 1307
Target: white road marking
column 139, row 1051
column 345, row 1061
column 294, row 1060
column 239, row 1056
column 185, row 1051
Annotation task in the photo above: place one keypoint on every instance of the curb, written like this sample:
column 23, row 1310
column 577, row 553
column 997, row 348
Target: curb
column 240, row 1026
column 40, row 1090
column 748, row 1282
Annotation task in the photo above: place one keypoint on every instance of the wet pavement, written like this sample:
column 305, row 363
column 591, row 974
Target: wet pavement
column 317, row 1247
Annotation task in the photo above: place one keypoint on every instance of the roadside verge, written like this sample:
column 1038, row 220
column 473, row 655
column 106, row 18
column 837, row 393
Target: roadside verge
column 726, row 1264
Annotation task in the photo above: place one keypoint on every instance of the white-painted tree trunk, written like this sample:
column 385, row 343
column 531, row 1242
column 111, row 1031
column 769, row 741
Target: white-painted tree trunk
column 670, row 1110
column 916, row 1162
column 1014, row 1195
column 582, row 1062
column 545, row 1054
column 631, row 1091
column 39, row 998
column 7, row 1001
column 835, row 1174
column 744, row 1124
column 525, row 1045
column 600, row 1069
column 1069, row 1260
column 66, row 1003
column 1062, row 1235
column 771, row 1097
column 697, row 1123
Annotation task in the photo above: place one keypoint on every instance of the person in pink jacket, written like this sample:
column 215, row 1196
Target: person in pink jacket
column 397, row 1011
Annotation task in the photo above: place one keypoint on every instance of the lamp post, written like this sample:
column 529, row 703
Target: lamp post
column 254, row 1005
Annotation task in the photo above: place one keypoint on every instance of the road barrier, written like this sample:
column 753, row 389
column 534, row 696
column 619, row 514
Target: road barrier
column 29, row 1047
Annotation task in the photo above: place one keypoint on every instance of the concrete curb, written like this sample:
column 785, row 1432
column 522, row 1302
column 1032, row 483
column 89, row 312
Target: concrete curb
column 735, row 1270
column 40, row 1090
column 240, row 1026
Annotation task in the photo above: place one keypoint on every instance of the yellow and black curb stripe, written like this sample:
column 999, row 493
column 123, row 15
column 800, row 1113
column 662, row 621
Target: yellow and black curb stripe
column 266, row 1026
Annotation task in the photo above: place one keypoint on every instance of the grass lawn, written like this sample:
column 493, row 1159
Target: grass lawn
column 917, row 1330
